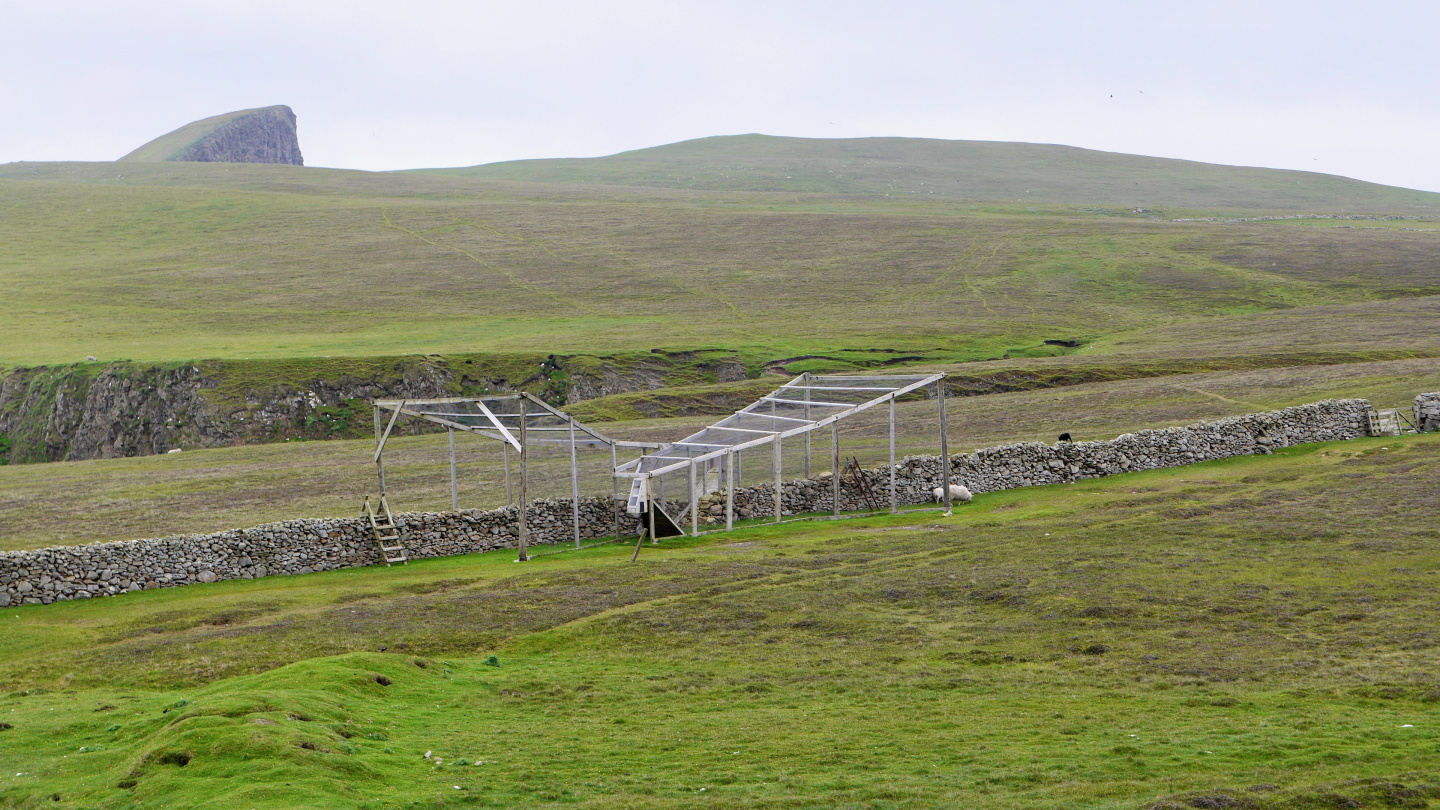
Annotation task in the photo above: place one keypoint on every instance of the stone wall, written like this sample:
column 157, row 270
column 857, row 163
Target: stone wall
column 303, row 546
column 1032, row 463
column 289, row 547
column 1427, row 411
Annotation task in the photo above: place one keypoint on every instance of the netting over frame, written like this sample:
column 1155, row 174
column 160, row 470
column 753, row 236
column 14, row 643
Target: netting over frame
column 804, row 404
column 499, row 417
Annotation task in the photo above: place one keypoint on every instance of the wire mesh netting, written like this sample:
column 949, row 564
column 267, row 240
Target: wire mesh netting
column 801, row 406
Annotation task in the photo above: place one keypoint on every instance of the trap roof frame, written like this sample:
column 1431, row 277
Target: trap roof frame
column 889, row 387
column 512, row 430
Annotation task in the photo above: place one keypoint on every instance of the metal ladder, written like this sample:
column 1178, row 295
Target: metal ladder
column 382, row 525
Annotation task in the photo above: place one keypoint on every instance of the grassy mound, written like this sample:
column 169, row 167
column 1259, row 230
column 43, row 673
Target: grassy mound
column 1246, row 633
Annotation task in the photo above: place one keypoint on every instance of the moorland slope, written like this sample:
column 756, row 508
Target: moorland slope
column 310, row 283
column 191, row 261
column 989, row 171
column 1245, row 634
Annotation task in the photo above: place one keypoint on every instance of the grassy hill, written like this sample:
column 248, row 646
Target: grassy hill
column 173, row 143
column 261, row 135
column 183, row 261
column 961, row 170
column 1241, row 634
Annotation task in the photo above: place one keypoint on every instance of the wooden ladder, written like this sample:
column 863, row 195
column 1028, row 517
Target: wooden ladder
column 387, row 534
column 863, row 482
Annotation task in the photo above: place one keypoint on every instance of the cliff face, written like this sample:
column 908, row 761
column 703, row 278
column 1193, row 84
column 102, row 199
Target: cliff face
column 263, row 135
column 113, row 410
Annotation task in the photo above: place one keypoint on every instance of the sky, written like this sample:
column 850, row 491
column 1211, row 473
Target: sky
column 1342, row 88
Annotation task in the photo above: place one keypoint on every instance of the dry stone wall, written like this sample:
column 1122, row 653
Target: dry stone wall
column 304, row 546
column 1032, row 463
column 289, row 547
column 1427, row 411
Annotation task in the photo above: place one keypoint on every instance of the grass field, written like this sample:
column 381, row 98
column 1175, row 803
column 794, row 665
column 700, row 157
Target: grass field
column 985, row 171
column 225, row 488
column 1256, row 632
column 174, row 262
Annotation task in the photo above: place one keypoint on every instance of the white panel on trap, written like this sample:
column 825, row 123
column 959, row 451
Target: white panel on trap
column 636, row 505
column 710, row 477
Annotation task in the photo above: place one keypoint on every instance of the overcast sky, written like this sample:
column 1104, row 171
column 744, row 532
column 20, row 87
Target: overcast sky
column 1346, row 88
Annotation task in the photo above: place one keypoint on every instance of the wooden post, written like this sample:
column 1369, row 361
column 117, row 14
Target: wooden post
column 694, row 503
column 574, row 485
column 893, row 501
column 615, row 492
column 379, row 462
column 729, row 490
column 944, row 445
column 524, row 482
column 454, row 491
column 505, row 451
column 779, row 487
column 380, row 438
column 650, row 508
column 740, row 468
column 805, row 378
column 835, row 468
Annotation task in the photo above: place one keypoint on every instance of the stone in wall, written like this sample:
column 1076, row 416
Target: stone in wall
column 1427, row 411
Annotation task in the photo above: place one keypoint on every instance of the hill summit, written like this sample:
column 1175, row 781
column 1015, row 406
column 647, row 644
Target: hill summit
column 261, row 135
column 979, row 171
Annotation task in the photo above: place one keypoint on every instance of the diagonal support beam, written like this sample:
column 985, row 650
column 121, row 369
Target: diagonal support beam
column 381, row 447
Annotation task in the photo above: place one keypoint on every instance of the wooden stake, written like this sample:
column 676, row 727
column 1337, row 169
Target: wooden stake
column 835, row 468
column 638, row 542
column 615, row 492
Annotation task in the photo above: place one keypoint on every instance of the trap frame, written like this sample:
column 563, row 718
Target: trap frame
column 519, row 422
column 799, row 408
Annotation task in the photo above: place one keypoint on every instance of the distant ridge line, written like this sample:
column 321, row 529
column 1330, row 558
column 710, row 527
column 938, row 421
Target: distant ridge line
column 970, row 171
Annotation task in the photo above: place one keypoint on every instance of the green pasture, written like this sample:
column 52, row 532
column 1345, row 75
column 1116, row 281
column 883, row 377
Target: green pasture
column 1249, row 633
column 177, row 262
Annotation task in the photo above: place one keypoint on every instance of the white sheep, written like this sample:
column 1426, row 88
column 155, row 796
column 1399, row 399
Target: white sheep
column 958, row 492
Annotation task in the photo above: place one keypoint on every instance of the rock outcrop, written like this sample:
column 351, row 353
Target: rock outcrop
column 110, row 410
column 263, row 135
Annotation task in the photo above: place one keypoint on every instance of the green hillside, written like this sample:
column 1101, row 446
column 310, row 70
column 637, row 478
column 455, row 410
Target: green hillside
column 1246, row 634
column 961, row 170
column 167, row 146
column 171, row 261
